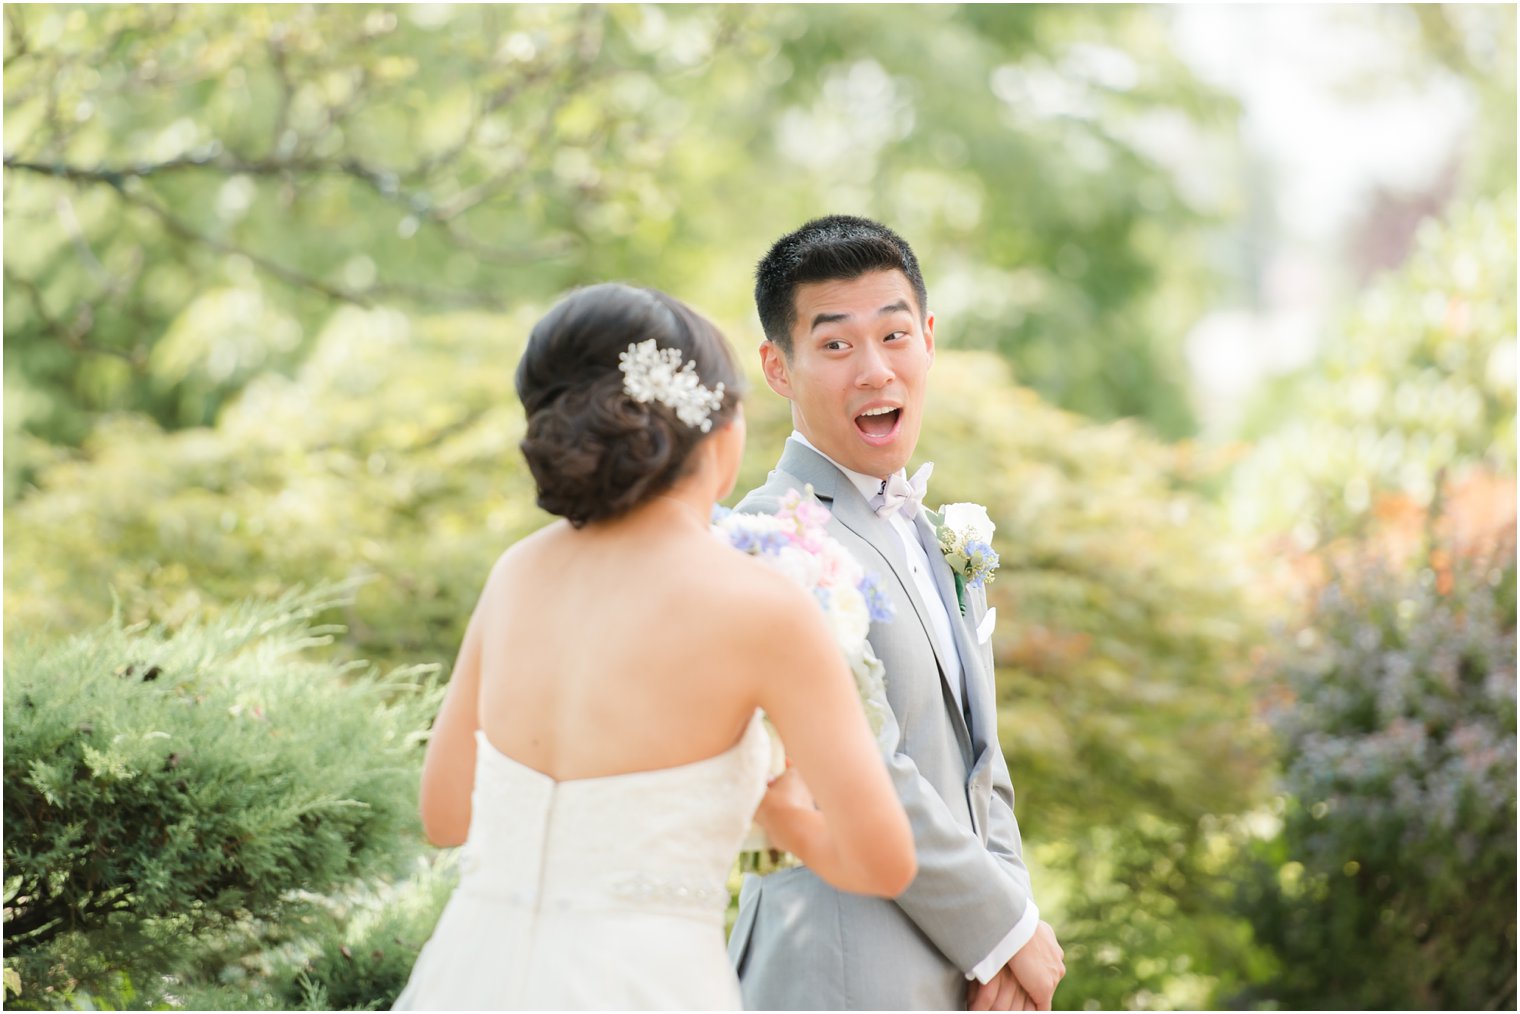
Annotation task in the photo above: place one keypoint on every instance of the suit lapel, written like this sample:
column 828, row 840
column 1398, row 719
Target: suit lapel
column 976, row 681
column 852, row 511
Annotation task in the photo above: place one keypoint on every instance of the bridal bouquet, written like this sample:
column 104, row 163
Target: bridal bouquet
column 793, row 541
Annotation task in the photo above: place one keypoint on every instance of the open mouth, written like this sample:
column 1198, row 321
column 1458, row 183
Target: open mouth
column 878, row 425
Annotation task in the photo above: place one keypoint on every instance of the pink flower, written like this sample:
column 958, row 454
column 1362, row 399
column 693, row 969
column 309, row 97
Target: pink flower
column 804, row 520
column 812, row 513
column 839, row 567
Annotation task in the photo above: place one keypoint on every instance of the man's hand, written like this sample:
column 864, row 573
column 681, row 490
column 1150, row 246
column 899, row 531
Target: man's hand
column 1003, row 992
column 1038, row 966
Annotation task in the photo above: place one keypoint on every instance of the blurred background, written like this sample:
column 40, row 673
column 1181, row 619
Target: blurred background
column 1226, row 310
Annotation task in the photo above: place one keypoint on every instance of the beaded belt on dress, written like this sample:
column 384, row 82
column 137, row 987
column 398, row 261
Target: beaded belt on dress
column 642, row 891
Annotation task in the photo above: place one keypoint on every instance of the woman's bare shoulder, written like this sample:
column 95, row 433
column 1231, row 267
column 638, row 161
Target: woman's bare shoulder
column 527, row 551
column 746, row 591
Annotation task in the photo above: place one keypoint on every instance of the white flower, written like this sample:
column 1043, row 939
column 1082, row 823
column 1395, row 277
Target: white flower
column 969, row 521
column 802, row 567
column 849, row 619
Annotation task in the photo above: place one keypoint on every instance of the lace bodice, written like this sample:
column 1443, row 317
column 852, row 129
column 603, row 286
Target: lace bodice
column 660, row 840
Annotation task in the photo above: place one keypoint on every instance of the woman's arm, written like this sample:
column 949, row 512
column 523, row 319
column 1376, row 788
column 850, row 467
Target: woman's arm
column 448, row 770
column 858, row 837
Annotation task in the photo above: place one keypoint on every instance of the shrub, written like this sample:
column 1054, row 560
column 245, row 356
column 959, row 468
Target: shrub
column 1392, row 881
column 353, row 951
column 167, row 790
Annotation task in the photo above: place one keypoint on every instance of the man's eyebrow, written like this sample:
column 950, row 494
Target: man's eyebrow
column 828, row 318
column 901, row 306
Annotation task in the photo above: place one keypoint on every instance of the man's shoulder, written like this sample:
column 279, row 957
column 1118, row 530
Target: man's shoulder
column 766, row 497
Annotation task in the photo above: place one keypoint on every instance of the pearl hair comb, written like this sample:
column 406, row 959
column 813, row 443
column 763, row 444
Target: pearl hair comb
column 651, row 373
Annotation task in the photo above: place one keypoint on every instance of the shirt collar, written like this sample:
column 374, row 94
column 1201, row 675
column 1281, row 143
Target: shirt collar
column 869, row 486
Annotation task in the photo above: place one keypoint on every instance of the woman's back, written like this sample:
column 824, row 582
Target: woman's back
column 617, row 650
column 589, row 889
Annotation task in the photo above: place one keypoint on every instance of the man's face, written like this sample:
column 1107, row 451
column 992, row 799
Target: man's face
column 856, row 376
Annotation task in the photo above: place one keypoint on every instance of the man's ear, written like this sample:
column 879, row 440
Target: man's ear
column 777, row 375
column 929, row 335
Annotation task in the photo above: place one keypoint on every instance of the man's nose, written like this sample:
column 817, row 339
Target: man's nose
column 875, row 371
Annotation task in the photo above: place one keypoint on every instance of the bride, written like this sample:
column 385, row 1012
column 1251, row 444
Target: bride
column 598, row 753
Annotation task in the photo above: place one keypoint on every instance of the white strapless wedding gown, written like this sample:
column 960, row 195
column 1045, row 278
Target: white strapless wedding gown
column 594, row 893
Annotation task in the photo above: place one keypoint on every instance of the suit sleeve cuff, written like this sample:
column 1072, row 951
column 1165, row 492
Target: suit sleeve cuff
column 1010, row 945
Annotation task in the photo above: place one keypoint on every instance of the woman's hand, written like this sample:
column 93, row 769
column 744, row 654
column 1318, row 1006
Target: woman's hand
column 787, row 812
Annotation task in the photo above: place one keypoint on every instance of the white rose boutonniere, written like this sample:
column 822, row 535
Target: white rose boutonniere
column 965, row 537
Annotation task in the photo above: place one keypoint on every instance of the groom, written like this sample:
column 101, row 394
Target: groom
column 849, row 343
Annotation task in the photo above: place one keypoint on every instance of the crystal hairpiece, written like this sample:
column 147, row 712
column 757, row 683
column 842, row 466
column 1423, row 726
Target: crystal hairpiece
column 651, row 373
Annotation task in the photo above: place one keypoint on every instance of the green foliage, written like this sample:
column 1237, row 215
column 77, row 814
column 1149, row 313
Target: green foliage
column 1392, row 882
column 1420, row 379
column 191, row 191
column 367, row 957
column 391, row 456
column 270, row 269
column 353, row 951
column 164, row 789
column 1474, row 43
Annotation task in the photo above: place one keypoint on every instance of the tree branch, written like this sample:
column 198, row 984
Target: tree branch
column 74, row 334
column 364, row 297
column 118, row 179
column 288, row 275
column 382, row 181
column 18, row 36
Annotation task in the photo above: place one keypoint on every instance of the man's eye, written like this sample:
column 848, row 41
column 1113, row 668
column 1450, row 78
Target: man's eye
column 834, row 346
column 896, row 335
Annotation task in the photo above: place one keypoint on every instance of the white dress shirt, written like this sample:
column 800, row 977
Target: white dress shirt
column 939, row 619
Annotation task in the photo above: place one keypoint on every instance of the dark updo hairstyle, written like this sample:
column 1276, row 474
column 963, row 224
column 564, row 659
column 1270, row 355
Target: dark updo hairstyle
column 594, row 451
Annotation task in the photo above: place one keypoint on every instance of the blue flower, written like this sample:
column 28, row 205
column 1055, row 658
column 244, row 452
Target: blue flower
column 719, row 512
column 755, row 543
column 823, row 596
column 877, row 603
column 981, row 561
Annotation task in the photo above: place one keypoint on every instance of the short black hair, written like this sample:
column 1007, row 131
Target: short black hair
column 832, row 248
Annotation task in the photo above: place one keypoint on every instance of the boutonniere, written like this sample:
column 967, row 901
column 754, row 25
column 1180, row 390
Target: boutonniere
column 965, row 534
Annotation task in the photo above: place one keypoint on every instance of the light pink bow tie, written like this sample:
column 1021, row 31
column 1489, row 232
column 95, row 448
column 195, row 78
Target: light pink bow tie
column 906, row 495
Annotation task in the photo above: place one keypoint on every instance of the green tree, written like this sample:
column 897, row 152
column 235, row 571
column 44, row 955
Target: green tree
column 190, row 190
column 1419, row 379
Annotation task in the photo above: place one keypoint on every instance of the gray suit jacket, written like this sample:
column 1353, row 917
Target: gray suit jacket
column 798, row 944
